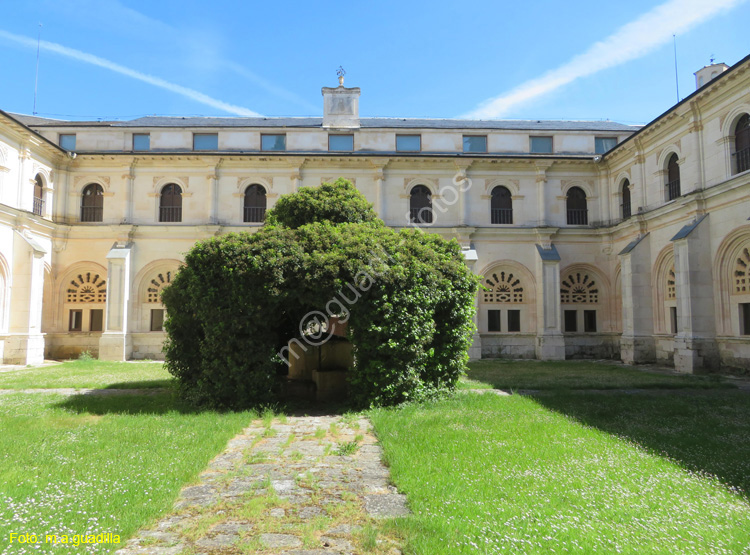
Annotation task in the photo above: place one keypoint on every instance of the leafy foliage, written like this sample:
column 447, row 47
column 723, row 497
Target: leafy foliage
column 408, row 297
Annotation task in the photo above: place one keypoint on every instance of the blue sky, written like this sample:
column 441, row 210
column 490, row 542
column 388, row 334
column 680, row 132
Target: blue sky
column 549, row 60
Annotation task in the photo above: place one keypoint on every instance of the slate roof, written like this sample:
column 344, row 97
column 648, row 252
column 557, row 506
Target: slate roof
column 309, row 122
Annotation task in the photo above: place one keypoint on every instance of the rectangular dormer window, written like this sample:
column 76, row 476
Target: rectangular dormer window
column 68, row 141
column 603, row 144
column 141, row 141
column 540, row 145
column 205, row 141
column 340, row 143
column 273, row 142
column 408, row 143
column 475, row 143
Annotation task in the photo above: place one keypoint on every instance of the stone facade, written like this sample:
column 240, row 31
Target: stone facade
column 588, row 245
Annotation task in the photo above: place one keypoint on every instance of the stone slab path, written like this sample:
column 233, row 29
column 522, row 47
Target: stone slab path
column 298, row 485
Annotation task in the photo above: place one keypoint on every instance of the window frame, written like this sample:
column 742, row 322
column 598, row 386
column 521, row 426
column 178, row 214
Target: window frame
column 573, row 214
column 141, row 136
column 597, row 150
column 337, row 135
column 205, row 136
column 75, row 314
column 100, row 319
column 514, row 320
column 494, row 320
column 672, row 186
column 532, row 138
column 467, row 138
column 408, row 136
column 95, row 212
column 501, row 212
column 589, row 320
column 65, row 137
column 172, row 211
column 421, row 214
column 570, row 316
column 254, row 211
column 264, row 135
column 154, row 312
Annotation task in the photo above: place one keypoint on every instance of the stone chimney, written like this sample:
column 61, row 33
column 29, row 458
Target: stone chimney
column 341, row 106
column 708, row 73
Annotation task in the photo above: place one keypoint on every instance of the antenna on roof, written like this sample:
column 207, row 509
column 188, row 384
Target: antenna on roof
column 36, row 79
column 676, row 80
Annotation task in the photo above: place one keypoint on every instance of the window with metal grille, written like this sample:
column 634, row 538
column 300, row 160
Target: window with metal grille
column 742, row 144
column 38, row 208
column 170, row 203
column 578, row 213
column 92, row 203
column 420, row 205
column 626, row 210
column 254, row 209
column 673, row 178
column 501, row 206
column 493, row 320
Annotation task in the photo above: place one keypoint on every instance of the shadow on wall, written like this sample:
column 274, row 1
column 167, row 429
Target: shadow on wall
column 703, row 431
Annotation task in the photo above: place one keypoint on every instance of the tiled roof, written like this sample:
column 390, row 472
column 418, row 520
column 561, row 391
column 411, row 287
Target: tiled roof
column 308, row 122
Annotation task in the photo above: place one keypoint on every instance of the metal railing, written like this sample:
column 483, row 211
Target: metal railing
column 170, row 213
column 626, row 210
column 38, row 206
column 92, row 213
column 742, row 160
column 254, row 214
column 673, row 189
column 578, row 216
column 502, row 215
column 421, row 215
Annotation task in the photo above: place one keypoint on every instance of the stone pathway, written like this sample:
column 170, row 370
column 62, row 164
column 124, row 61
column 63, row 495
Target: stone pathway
column 302, row 485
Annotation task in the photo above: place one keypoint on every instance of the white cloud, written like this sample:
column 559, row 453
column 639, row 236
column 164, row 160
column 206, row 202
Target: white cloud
column 631, row 41
column 117, row 68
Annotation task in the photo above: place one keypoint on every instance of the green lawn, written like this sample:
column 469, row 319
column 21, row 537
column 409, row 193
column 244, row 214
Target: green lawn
column 88, row 373
column 579, row 374
column 589, row 473
column 92, row 464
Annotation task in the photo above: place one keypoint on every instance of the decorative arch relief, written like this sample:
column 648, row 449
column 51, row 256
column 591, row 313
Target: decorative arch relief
column 156, row 285
column 87, row 288
column 505, row 287
column 579, row 287
column 741, row 272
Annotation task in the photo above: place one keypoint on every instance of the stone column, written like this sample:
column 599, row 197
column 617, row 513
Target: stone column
column 379, row 179
column 475, row 350
column 637, row 340
column 25, row 341
column 129, row 199
column 116, row 342
column 541, row 181
column 695, row 348
column 550, row 343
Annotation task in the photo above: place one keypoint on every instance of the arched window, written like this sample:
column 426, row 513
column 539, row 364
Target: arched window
column 578, row 213
column 673, row 178
column 38, row 195
column 420, row 205
column 170, row 204
column 255, row 204
column 92, row 203
column 501, row 206
column 742, row 144
column 626, row 210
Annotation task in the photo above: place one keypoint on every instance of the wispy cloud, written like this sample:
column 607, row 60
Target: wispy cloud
column 631, row 41
column 117, row 68
column 124, row 20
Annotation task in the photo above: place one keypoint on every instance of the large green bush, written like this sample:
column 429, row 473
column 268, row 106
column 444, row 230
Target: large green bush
column 408, row 297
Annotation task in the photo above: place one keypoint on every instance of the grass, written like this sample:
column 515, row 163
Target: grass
column 583, row 472
column 88, row 464
column 533, row 374
column 88, row 374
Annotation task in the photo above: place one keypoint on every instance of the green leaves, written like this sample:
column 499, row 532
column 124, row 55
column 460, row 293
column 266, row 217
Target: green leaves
column 240, row 299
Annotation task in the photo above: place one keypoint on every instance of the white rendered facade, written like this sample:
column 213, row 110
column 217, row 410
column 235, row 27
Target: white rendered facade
column 660, row 285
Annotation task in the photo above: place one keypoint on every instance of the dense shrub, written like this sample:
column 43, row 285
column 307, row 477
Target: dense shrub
column 239, row 299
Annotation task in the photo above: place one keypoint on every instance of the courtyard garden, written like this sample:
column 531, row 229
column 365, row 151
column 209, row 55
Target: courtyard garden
column 595, row 458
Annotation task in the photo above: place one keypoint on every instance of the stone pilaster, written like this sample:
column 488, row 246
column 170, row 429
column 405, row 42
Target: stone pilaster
column 637, row 340
column 25, row 341
column 695, row 348
column 116, row 342
column 550, row 343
